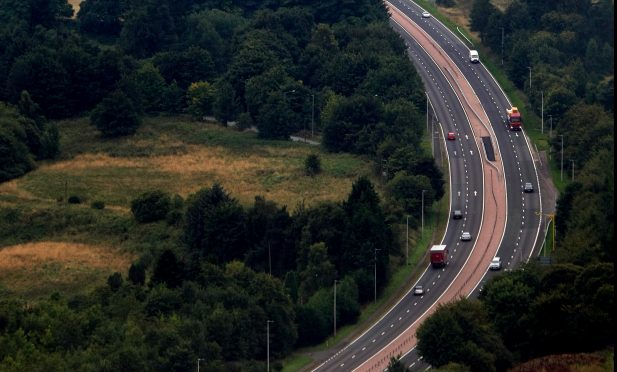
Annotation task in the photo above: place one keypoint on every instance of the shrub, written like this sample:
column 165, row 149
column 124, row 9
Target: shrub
column 97, row 205
column 74, row 199
column 115, row 116
column 151, row 206
column 312, row 165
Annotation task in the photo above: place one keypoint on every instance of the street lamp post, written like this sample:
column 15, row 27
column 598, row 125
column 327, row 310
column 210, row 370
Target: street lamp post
column 572, row 161
column 529, row 67
column 561, row 135
column 550, row 132
column 542, row 110
column 407, row 241
column 268, row 344
column 375, row 280
column 335, row 308
column 422, row 230
column 313, row 115
column 198, row 360
column 501, row 45
column 426, row 94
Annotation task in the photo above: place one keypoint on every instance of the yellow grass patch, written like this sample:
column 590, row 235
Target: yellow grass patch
column 270, row 172
column 44, row 267
column 75, row 4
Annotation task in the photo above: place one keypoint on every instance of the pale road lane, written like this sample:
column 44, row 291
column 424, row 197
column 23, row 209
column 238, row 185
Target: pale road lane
column 494, row 218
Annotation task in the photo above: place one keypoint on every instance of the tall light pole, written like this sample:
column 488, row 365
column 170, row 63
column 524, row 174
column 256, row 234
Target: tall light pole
column 334, row 307
column 501, row 45
column 572, row 161
column 426, row 94
column 542, row 110
column 423, row 191
column 550, row 133
column 198, row 360
column 561, row 135
column 268, row 344
column 529, row 67
column 313, row 115
column 375, row 280
column 407, row 241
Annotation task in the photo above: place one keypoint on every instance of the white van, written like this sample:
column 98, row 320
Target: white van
column 473, row 56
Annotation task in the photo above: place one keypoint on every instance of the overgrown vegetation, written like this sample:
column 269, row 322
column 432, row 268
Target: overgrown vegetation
column 215, row 263
column 527, row 310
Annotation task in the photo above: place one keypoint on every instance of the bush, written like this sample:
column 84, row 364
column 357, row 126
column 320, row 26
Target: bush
column 312, row 165
column 151, row 206
column 115, row 116
column 97, row 205
column 74, row 199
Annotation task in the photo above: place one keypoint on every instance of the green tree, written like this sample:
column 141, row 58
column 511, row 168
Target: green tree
column 15, row 158
column 200, row 96
column 151, row 206
column 215, row 225
column 396, row 365
column 481, row 12
column 312, row 165
column 407, row 190
column 463, row 329
column 100, row 16
column 168, row 270
column 115, row 116
column 137, row 274
column 318, row 273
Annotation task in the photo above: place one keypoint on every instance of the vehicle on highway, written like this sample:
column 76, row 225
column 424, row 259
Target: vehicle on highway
column 513, row 118
column 426, row 14
column 466, row 236
column 451, row 136
column 439, row 255
column 457, row 214
column 474, row 57
column 495, row 264
column 528, row 187
column 418, row 290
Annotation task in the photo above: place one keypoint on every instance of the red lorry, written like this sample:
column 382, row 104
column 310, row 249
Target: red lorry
column 439, row 255
column 513, row 118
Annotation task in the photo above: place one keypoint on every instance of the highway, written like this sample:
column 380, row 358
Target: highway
column 467, row 177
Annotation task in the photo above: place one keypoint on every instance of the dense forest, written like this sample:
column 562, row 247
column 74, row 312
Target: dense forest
column 212, row 273
column 567, row 306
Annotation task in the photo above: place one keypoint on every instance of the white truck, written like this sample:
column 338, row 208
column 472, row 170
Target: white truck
column 474, row 57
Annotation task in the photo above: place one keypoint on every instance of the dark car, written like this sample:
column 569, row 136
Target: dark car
column 528, row 187
column 457, row 214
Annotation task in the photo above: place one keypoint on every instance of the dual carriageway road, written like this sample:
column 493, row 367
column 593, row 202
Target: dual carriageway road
column 488, row 166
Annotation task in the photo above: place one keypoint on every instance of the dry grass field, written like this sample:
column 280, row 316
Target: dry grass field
column 181, row 157
column 173, row 154
column 37, row 269
column 75, row 4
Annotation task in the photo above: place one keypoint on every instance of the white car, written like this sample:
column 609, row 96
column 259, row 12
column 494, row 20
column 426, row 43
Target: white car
column 495, row 264
column 418, row 290
column 466, row 236
column 426, row 14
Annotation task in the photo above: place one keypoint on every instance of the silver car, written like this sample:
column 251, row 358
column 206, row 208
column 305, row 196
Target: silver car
column 466, row 236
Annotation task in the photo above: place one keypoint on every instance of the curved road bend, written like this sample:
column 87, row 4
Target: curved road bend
column 525, row 212
column 519, row 161
column 395, row 333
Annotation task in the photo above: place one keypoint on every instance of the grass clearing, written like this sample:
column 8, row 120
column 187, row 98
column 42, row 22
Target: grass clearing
column 181, row 156
column 36, row 270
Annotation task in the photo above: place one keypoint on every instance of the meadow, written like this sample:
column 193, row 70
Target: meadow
column 173, row 154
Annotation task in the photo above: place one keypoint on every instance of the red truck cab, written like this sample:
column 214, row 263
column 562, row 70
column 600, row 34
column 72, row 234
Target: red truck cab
column 439, row 255
column 513, row 116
